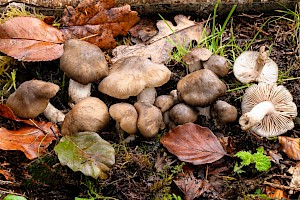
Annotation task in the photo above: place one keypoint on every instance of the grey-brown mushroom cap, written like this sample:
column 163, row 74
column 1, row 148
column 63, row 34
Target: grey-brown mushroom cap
column 129, row 76
column 164, row 102
column 275, row 123
column 31, row 98
column 90, row 114
column 126, row 115
column 182, row 113
column 243, row 69
column 217, row 64
column 200, row 88
column 223, row 113
column 83, row 62
column 197, row 54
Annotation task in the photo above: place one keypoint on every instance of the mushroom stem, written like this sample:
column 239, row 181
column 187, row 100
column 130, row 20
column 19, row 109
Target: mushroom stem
column 255, row 116
column 53, row 114
column 78, row 91
column 260, row 61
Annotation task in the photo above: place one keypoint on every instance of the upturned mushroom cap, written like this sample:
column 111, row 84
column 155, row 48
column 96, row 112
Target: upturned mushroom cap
column 83, row 62
column 90, row 114
column 150, row 119
column 126, row 115
column 182, row 113
column 223, row 113
column 31, row 98
column 252, row 66
column 217, row 64
column 195, row 57
column 129, row 76
column 164, row 102
column 200, row 88
column 147, row 95
column 268, row 110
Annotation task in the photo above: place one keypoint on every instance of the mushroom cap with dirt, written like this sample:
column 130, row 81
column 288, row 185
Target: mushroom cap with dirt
column 200, row 88
column 252, row 66
column 182, row 113
column 84, row 63
column 223, row 113
column 129, row 76
column 31, row 98
column 268, row 110
column 217, row 64
column 125, row 115
column 90, row 114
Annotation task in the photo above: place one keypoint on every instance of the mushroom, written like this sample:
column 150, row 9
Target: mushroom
column 147, row 95
column 32, row 98
column 223, row 113
column 164, row 102
column 252, row 66
column 217, row 64
column 90, row 114
column 194, row 58
column 129, row 76
column 200, row 88
column 83, row 63
column 150, row 119
column 268, row 110
column 182, row 113
column 125, row 115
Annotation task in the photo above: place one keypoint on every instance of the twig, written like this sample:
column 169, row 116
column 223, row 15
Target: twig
column 281, row 186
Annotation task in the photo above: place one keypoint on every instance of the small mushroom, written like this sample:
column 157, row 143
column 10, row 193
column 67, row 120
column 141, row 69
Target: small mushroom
column 223, row 113
column 164, row 102
column 182, row 113
column 194, row 58
column 90, row 114
column 217, row 64
column 200, row 88
column 150, row 119
column 268, row 110
column 147, row 95
column 84, row 63
column 125, row 115
column 129, row 76
column 252, row 66
column 32, row 98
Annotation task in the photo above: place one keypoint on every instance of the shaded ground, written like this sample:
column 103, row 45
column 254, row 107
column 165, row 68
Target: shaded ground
column 138, row 174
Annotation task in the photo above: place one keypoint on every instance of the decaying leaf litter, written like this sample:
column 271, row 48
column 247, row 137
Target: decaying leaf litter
column 143, row 170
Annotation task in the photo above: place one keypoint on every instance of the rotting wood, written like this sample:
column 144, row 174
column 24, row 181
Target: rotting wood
column 191, row 7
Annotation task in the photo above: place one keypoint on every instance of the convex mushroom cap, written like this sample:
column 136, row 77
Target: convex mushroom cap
column 252, row 66
column 182, row 113
column 129, row 76
column 268, row 110
column 90, row 114
column 200, row 88
column 195, row 57
column 31, row 98
column 223, row 113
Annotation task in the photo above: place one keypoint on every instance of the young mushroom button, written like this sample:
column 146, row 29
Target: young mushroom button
column 268, row 110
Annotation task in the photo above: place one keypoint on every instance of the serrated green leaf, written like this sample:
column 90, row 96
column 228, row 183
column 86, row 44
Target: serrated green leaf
column 262, row 162
column 245, row 156
column 86, row 152
column 238, row 169
column 14, row 197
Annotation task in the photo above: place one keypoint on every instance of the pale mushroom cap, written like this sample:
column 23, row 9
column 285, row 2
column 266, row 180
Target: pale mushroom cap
column 243, row 69
column 150, row 119
column 182, row 113
column 126, row 115
column 197, row 54
column 31, row 98
column 223, row 113
column 164, row 102
column 217, row 64
column 147, row 95
column 200, row 88
column 275, row 123
column 83, row 62
column 129, row 76
column 90, row 114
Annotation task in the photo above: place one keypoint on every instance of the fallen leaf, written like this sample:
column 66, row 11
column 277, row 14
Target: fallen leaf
column 290, row 146
column 193, row 143
column 98, row 22
column 159, row 47
column 295, row 171
column 145, row 29
column 275, row 193
column 30, row 39
column 6, row 174
column 275, row 156
column 86, row 152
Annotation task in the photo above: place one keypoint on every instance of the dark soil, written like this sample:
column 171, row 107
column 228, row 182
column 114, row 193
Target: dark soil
column 144, row 169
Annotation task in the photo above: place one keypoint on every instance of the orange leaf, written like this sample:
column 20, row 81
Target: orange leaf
column 30, row 39
column 193, row 143
column 275, row 193
column 290, row 146
column 98, row 22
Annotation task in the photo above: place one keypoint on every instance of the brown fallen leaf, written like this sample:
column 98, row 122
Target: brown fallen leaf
column 159, row 47
column 276, row 193
column 30, row 39
column 193, row 143
column 290, row 146
column 295, row 171
column 98, row 22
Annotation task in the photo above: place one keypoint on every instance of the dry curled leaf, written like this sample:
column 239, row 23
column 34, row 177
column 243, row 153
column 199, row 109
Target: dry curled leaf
column 290, row 146
column 30, row 39
column 193, row 143
column 98, row 22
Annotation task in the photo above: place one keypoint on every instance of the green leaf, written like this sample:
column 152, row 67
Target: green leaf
column 238, row 169
column 86, row 152
column 246, row 157
column 78, row 198
column 14, row 197
column 262, row 162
